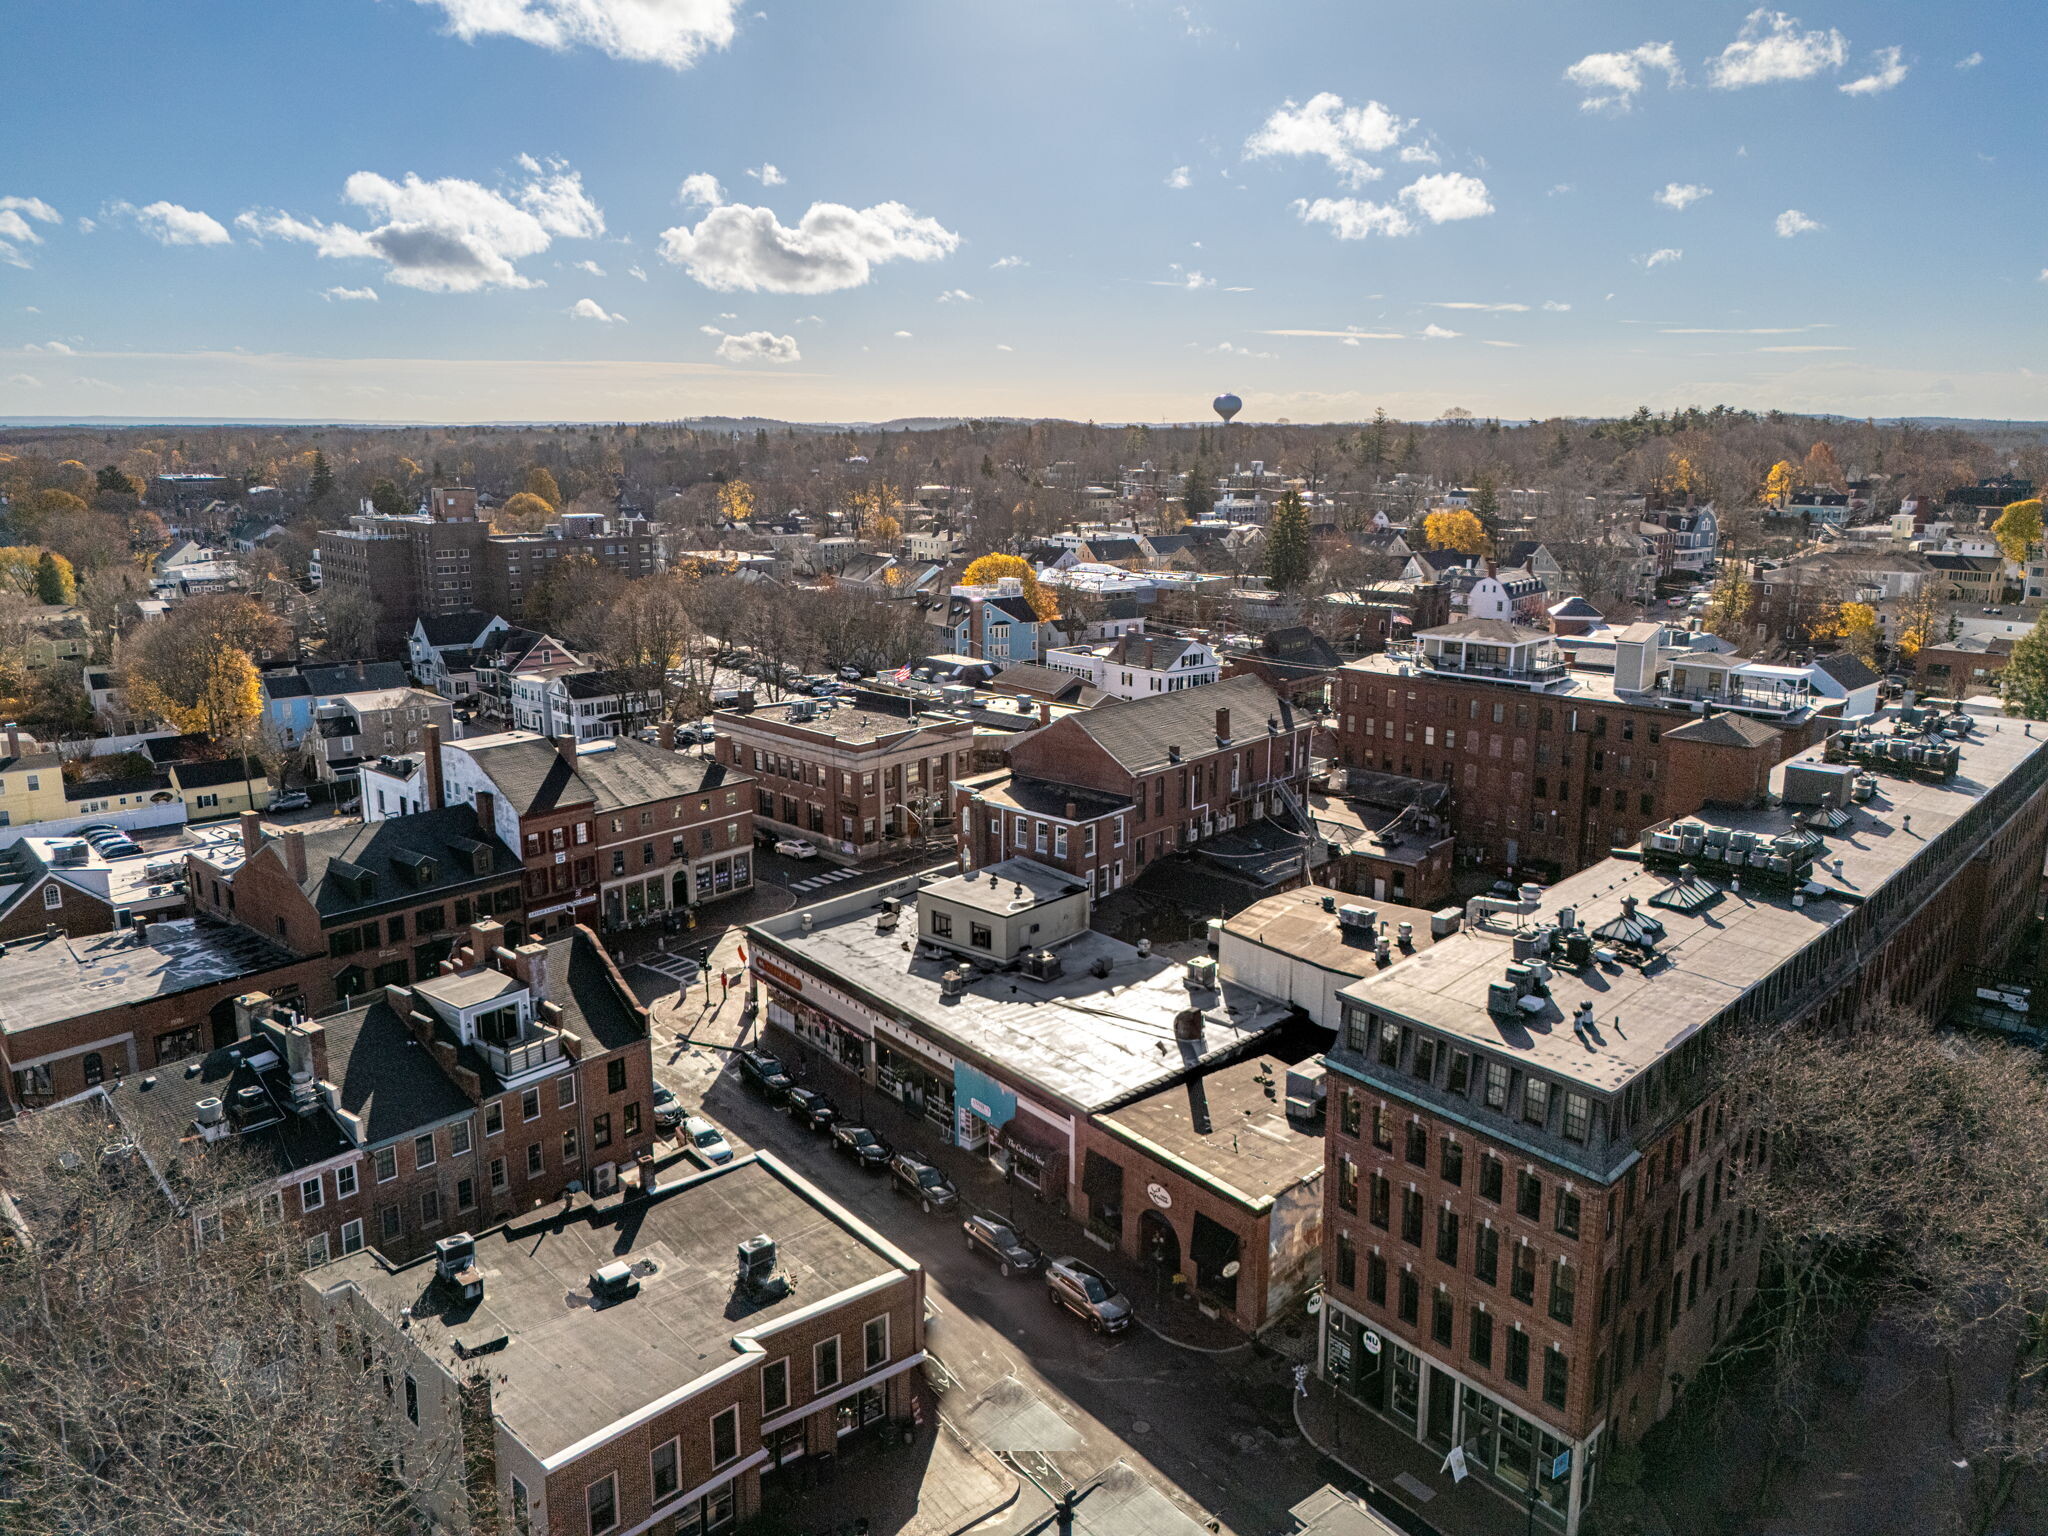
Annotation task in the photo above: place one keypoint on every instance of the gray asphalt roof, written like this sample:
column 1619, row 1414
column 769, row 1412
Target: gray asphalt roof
column 386, row 848
column 1137, row 732
column 625, row 772
column 45, row 981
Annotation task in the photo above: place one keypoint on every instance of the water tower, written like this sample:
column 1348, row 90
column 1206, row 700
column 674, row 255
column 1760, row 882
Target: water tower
column 1227, row 405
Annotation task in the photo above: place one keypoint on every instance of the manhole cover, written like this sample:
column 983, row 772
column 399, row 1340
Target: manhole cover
column 1141, row 1426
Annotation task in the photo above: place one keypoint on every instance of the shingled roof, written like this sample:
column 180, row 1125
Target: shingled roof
column 1725, row 730
column 1137, row 732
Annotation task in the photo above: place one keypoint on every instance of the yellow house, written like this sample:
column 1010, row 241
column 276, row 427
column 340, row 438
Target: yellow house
column 31, row 786
column 220, row 789
column 57, row 643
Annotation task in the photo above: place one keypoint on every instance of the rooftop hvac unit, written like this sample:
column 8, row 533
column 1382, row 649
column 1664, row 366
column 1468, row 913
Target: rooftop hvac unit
column 756, row 1258
column 1201, row 973
column 1355, row 916
column 1445, row 921
column 952, row 984
column 455, row 1266
column 614, row 1282
column 1307, row 1089
column 69, row 853
column 1042, row 964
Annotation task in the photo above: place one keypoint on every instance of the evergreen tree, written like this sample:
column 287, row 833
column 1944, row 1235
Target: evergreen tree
column 110, row 481
column 387, row 498
column 1197, row 498
column 322, row 485
column 2025, row 678
column 1289, row 555
column 54, row 583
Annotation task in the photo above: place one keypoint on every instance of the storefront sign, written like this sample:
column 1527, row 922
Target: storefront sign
column 990, row 1100
column 1371, row 1341
column 777, row 974
column 1455, row 1464
column 1160, row 1196
column 981, row 1109
column 564, row 906
column 1561, row 1466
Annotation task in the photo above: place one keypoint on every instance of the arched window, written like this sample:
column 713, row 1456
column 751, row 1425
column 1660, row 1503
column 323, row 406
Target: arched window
column 95, row 1069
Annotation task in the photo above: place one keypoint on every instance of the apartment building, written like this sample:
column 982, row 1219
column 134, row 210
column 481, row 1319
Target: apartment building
column 1550, row 766
column 1102, row 793
column 384, row 901
column 856, row 779
column 1535, row 1230
column 719, row 1331
column 591, row 704
column 457, row 1101
column 1136, row 666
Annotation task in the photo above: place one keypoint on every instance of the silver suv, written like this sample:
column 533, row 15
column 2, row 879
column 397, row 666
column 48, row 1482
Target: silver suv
column 1086, row 1292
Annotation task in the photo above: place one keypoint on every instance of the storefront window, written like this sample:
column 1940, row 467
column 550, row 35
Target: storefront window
column 859, row 1411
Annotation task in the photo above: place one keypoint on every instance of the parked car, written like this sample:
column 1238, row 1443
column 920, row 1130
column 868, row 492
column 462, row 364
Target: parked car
column 705, row 1142
column 296, row 800
column 668, row 1109
column 763, row 1072
column 697, row 731
column 995, row 1238
column 796, row 848
column 862, row 1145
column 810, row 1109
column 911, row 1175
column 1086, row 1292
column 851, row 674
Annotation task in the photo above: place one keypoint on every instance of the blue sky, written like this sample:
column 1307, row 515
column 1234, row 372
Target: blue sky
column 1090, row 208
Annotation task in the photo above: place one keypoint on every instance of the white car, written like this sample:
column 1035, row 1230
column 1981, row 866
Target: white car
column 705, row 1142
column 796, row 848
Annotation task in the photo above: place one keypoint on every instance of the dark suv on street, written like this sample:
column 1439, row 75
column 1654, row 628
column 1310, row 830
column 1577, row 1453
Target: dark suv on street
column 911, row 1175
column 764, row 1073
column 995, row 1238
column 1086, row 1292
column 810, row 1109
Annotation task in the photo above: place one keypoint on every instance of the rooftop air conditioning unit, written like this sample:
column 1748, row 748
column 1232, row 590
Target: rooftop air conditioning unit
column 1042, row 965
column 1353, row 915
column 1201, row 973
column 614, row 1282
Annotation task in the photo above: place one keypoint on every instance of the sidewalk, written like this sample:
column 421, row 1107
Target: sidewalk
column 938, row 1485
column 1401, row 1477
column 982, row 1187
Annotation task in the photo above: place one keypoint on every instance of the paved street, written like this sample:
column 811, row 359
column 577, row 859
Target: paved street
column 1214, row 1433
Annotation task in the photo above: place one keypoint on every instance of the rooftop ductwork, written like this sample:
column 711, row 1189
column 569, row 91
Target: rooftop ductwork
column 1521, row 905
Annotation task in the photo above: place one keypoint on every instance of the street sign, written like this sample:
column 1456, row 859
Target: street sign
column 1371, row 1341
column 1561, row 1466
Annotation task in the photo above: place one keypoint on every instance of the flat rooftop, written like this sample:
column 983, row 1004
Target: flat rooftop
column 571, row 1370
column 847, row 725
column 45, row 981
column 1295, row 924
column 1708, row 958
column 1013, row 885
column 1081, row 1039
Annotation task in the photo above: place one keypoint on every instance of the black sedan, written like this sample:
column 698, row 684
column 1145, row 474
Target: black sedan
column 764, row 1073
column 809, row 1109
column 862, row 1145
column 995, row 1238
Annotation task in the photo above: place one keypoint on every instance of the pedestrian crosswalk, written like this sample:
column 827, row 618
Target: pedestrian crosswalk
column 825, row 879
column 677, row 968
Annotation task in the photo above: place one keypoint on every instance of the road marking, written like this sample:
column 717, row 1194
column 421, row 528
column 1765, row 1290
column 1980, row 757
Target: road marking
column 674, row 967
column 818, row 880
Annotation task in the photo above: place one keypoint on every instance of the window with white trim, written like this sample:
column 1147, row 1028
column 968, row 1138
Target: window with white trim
column 875, row 1342
column 312, row 1194
column 344, row 1181
column 601, row 1504
column 352, row 1236
column 725, row 1436
column 825, row 1365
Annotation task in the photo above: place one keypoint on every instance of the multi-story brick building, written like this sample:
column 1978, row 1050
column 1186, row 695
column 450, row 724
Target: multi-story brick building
column 856, row 779
column 723, row 1329
column 1550, row 766
column 458, row 1101
column 383, row 901
column 1106, row 791
column 1535, row 1228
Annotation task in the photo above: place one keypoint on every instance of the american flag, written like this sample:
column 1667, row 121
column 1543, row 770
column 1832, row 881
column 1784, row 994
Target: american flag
column 901, row 674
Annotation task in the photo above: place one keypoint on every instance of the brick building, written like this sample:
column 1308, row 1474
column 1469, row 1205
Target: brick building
column 1535, row 1229
column 457, row 1101
column 855, row 779
column 1550, row 766
column 383, row 902
column 1106, row 791
column 672, row 1383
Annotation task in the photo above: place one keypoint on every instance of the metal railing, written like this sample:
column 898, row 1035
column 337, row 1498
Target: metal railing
column 512, row 1060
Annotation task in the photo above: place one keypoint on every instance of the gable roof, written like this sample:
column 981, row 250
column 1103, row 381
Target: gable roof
column 625, row 772
column 1155, row 653
column 1725, row 730
column 1299, row 643
column 527, row 771
column 1040, row 682
column 355, row 677
column 1845, row 669
column 387, row 853
column 1137, row 732
column 445, row 629
column 599, row 683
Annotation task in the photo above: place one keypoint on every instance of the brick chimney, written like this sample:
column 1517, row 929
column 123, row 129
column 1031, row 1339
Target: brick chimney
column 485, row 935
column 1045, row 712
column 293, row 842
column 436, row 794
column 13, row 739
column 1222, row 726
column 252, row 834
column 565, row 746
column 486, row 812
column 668, row 735
column 530, row 965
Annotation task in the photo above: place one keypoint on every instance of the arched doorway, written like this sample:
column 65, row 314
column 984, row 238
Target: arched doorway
column 1159, row 1248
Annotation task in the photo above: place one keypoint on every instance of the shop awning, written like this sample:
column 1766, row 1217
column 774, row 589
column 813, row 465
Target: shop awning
column 1103, row 1180
column 1214, row 1245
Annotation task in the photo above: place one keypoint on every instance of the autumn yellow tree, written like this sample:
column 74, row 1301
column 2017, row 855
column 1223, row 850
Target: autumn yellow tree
column 1854, row 625
column 195, row 665
column 2018, row 529
column 1729, row 605
column 523, row 513
column 736, row 501
column 540, row 481
column 1455, row 529
column 1778, row 484
column 1821, row 468
column 1684, row 478
column 32, row 514
column 1920, row 623
column 222, row 703
column 990, row 569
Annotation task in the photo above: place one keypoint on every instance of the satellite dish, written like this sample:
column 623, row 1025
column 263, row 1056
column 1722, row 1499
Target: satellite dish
column 1227, row 405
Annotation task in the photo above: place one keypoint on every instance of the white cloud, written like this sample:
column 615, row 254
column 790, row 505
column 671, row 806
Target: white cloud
column 1439, row 199
column 637, row 271
column 1324, row 126
column 1484, row 342
column 901, row 335
column 1970, row 62
column 1661, row 257
column 1438, row 333
column 1770, row 48
column 1182, row 278
column 54, row 348
column 15, row 229
column 1612, row 81
column 757, row 347
column 768, row 175
column 1679, row 196
column 1792, row 222
column 1351, row 334
column 671, row 32
column 24, row 380
column 1351, row 218
column 956, row 296
column 588, row 266
column 1418, row 154
column 1180, row 178
column 590, row 309
column 1225, row 349
column 1003, row 346
column 736, row 247
column 1447, row 196
column 1888, row 71
column 1556, row 306
column 170, row 224
column 449, row 235
column 346, row 295
column 1002, row 263
column 1509, row 309
column 700, row 189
